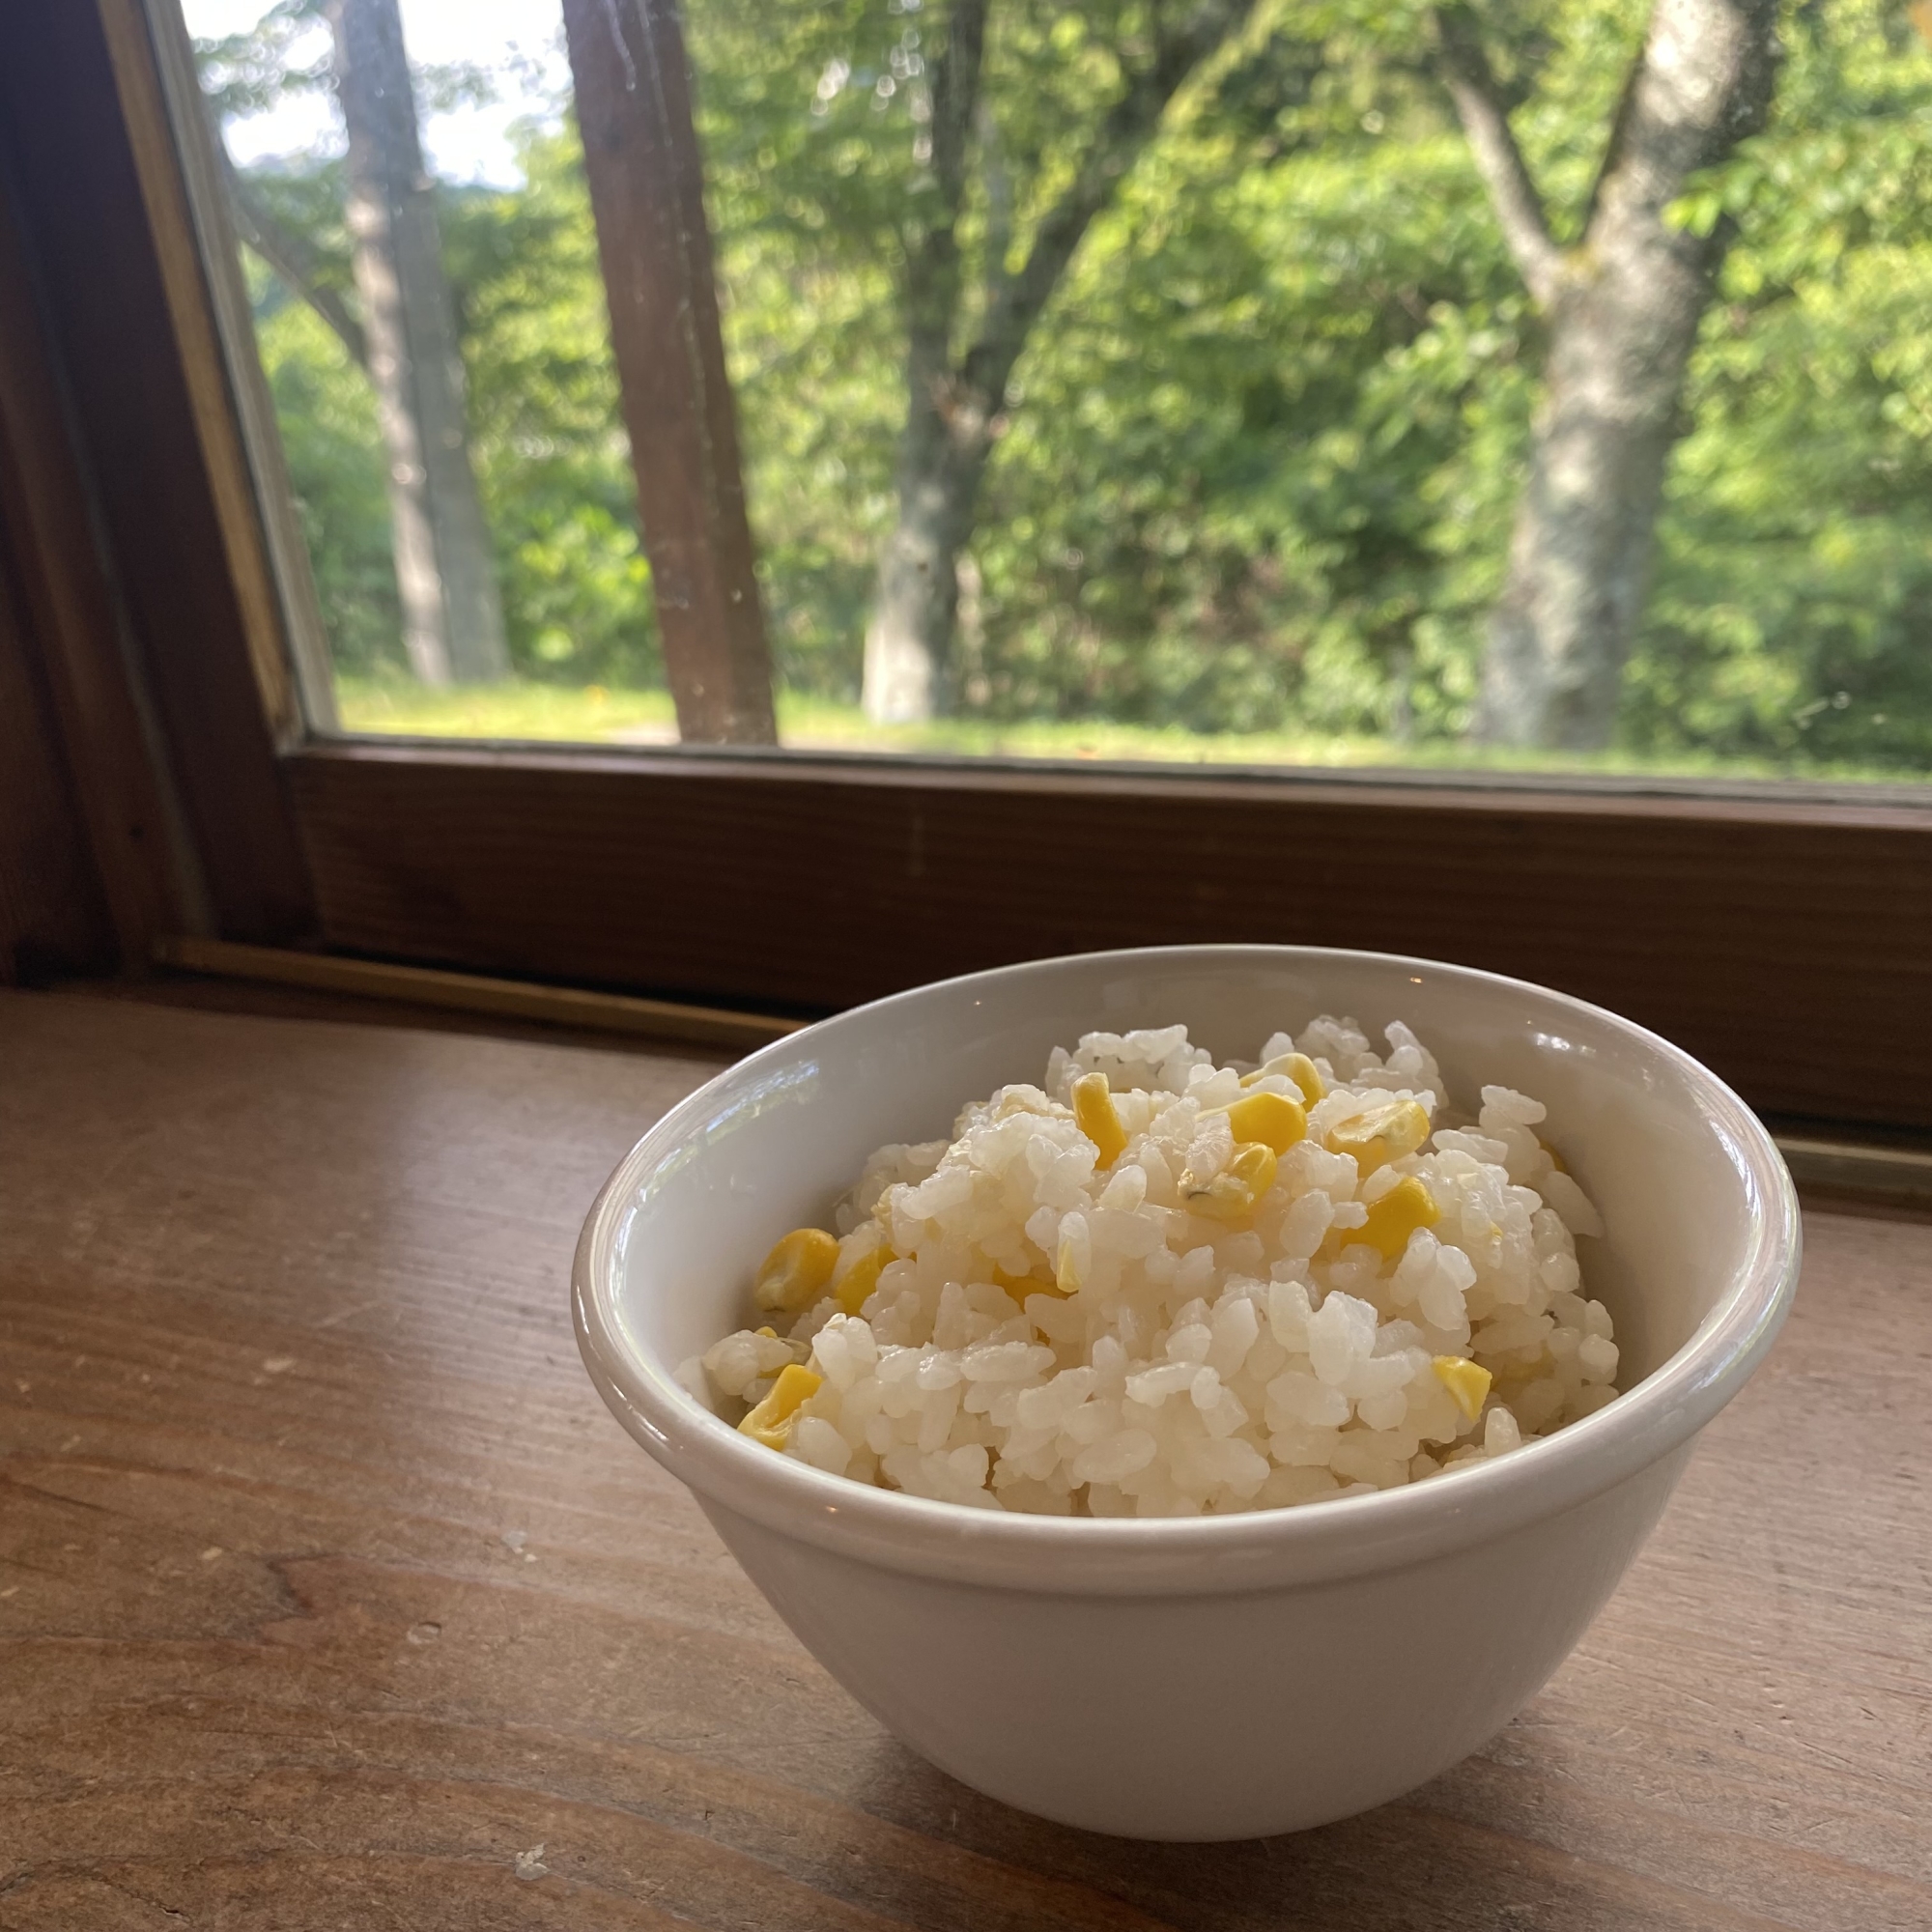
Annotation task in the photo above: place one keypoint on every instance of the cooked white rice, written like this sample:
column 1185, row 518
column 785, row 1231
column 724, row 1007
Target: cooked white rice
column 1013, row 1319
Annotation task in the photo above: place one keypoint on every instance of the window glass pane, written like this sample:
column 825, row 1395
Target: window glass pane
column 1273, row 383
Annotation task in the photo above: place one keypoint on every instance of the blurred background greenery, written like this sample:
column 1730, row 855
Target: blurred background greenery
column 1254, row 483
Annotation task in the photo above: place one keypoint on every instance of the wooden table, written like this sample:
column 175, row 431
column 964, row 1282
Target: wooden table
column 330, row 1596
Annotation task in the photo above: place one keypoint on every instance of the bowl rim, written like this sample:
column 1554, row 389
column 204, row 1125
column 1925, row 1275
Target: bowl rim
column 1244, row 1550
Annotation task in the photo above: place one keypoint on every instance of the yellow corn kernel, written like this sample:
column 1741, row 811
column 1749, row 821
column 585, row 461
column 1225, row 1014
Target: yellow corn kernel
column 1020, row 1285
column 1467, row 1381
column 852, row 1287
column 1406, row 1206
column 770, row 1423
column 1233, row 1194
column 1295, row 1066
column 1306, row 1075
column 1385, row 1133
column 1556, row 1158
column 792, row 1274
column 1096, row 1116
column 1271, row 1118
column 770, row 1334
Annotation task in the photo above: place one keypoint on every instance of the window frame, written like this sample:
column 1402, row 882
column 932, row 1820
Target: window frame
column 1784, row 934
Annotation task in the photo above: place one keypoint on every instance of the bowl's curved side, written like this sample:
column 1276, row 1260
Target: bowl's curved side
column 1209, row 1716
column 775, row 1137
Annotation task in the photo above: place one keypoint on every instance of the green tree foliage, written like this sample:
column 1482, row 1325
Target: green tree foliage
column 1793, row 612
column 326, row 412
column 1263, row 451
column 552, row 461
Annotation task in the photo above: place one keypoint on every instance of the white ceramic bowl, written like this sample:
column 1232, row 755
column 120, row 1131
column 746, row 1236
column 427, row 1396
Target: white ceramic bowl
column 1222, row 1677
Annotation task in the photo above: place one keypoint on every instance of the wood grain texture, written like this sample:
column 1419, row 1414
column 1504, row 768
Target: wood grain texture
column 329, row 1590
column 195, row 992
column 70, row 623
column 663, row 1020
column 161, row 166
column 54, row 916
column 135, row 387
column 262, row 523
column 1715, row 921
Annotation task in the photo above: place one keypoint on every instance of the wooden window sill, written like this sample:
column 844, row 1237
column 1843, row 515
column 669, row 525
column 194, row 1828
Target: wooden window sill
column 325, row 1579
column 1785, row 941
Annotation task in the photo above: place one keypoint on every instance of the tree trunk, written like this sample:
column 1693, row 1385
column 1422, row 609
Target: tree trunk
column 1624, row 312
column 1581, row 554
column 917, row 596
column 952, row 410
column 292, row 256
column 452, row 612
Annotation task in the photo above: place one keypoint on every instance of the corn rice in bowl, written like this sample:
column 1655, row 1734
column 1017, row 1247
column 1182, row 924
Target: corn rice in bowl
column 1245, row 1669
column 1155, row 1286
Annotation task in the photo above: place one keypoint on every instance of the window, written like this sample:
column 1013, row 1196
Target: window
column 1123, row 384
column 1242, row 505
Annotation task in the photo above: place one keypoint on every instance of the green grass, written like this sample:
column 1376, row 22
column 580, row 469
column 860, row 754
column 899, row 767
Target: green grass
column 595, row 715
column 543, row 711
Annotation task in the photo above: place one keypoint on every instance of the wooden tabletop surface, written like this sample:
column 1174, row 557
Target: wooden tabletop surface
column 331, row 1596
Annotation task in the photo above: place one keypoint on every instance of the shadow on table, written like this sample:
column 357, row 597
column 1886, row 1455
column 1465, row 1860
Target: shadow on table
column 1432, row 1863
